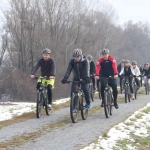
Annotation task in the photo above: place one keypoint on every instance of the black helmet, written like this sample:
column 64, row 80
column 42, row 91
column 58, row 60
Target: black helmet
column 134, row 63
column 89, row 57
column 127, row 61
column 46, row 51
column 105, row 51
column 77, row 52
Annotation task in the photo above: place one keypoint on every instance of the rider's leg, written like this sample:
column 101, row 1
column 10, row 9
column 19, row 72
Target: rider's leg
column 137, row 81
column 85, row 88
column 93, row 80
column 131, row 87
column 102, row 93
column 38, row 85
column 49, row 93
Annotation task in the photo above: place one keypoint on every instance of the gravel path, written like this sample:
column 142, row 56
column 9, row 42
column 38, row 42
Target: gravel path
column 71, row 136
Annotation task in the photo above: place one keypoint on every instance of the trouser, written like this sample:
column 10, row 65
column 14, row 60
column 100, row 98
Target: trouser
column 137, row 81
column 85, row 88
column 93, row 81
column 121, row 78
column 49, row 91
column 114, row 88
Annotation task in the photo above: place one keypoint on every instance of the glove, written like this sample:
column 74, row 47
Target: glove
column 87, row 80
column 63, row 81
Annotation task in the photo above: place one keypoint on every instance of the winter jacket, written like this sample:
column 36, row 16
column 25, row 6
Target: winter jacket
column 80, row 69
column 127, row 71
column 119, row 67
column 146, row 71
column 106, row 67
column 47, row 67
column 92, row 68
column 137, row 71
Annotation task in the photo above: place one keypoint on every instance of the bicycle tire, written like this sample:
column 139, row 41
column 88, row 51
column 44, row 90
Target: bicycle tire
column 135, row 92
column 126, row 93
column 146, row 88
column 122, row 86
column 91, row 91
column 47, row 110
column 106, row 104
column 39, row 104
column 129, row 94
column 111, row 105
column 84, row 109
column 99, row 90
column 74, row 108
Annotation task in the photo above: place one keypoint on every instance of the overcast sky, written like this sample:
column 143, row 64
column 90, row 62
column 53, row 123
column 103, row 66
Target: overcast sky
column 136, row 10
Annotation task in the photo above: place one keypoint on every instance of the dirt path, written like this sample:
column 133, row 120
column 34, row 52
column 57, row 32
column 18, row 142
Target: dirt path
column 69, row 136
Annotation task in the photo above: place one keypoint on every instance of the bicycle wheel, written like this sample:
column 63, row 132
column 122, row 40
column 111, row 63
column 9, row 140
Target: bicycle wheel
column 47, row 110
column 91, row 91
column 99, row 90
column 84, row 109
column 135, row 92
column 107, row 104
column 39, row 104
column 111, row 105
column 126, row 93
column 146, row 88
column 74, row 108
column 129, row 94
column 122, row 86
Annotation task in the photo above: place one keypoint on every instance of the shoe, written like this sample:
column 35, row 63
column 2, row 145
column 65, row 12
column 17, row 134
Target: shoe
column 116, row 105
column 102, row 104
column 49, row 106
column 89, row 106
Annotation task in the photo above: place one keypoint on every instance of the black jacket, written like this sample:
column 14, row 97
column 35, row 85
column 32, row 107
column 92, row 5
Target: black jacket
column 92, row 68
column 146, row 72
column 47, row 67
column 119, row 68
column 80, row 69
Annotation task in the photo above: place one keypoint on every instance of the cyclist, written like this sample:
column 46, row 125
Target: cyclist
column 47, row 66
column 128, row 71
column 146, row 72
column 137, row 73
column 80, row 66
column 141, row 71
column 119, row 67
column 106, row 67
column 92, row 70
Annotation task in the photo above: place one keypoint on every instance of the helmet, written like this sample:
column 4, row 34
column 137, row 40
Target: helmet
column 89, row 57
column 127, row 61
column 134, row 63
column 122, row 61
column 105, row 51
column 146, row 63
column 77, row 52
column 46, row 51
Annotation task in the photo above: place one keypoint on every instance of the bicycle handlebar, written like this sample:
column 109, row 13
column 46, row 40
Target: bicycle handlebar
column 45, row 77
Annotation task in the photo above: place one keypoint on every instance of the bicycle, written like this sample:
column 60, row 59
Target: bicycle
column 146, row 85
column 135, row 87
column 127, row 88
column 91, row 91
column 122, row 85
column 108, row 97
column 42, row 99
column 78, row 103
column 99, row 89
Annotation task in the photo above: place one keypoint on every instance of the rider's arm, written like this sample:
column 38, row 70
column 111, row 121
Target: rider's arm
column 98, row 67
column 114, row 66
column 69, row 69
column 122, row 71
column 35, row 68
column 133, row 73
column 92, row 69
column 53, row 70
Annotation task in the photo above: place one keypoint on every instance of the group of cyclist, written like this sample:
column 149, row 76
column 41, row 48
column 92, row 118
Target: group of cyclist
column 84, row 68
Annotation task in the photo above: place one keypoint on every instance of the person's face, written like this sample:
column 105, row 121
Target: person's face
column 90, row 61
column 134, row 66
column 78, row 58
column 126, row 64
column 105, row 56
column 46, row 57
column 146, row 66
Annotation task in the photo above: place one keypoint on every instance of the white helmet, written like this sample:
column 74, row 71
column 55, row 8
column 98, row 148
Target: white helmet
column 77, row 52
column 105, row 51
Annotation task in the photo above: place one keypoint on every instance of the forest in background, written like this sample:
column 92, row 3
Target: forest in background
column 62, row 25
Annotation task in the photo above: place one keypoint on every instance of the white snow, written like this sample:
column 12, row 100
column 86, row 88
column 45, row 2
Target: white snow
column 10, row 109
column 135, row 125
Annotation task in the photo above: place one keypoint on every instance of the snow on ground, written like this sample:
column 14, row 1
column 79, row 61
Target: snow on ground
column 10, row 109
column 136, row 124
